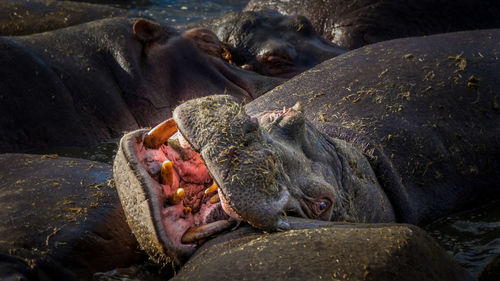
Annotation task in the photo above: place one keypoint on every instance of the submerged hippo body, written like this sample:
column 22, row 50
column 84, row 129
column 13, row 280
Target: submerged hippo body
column 270, row 43
column 60, row 219
column 84, row 84
column 352, row 24
column 405, row 130
column 22, row 17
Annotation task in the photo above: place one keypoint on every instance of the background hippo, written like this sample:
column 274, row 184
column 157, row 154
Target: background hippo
column 84, row 84
column 265, row 42
column 60, row 219
column 22, row 17
column 352, row 24
column 270, row 43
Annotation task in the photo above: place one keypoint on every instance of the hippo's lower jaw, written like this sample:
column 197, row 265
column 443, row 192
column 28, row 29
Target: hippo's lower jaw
column 171, row 202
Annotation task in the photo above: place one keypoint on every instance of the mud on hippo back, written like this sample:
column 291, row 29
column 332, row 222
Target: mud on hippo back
column 84, row 84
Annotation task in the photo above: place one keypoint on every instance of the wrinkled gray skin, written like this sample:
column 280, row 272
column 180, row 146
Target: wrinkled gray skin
column 405, row 130
column 355, row 23
column 85, row 84
column 270, row 43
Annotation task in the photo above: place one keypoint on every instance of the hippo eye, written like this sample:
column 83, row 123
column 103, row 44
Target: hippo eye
column 323, row 205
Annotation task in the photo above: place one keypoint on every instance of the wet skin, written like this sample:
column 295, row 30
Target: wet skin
column 61, row 219
column 76, row 81
column 270, row 43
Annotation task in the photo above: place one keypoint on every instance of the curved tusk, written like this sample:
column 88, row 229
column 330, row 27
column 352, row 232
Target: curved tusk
column 204, row 231
column 160, row 134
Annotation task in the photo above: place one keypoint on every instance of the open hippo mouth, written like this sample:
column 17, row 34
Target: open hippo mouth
column 211, row 165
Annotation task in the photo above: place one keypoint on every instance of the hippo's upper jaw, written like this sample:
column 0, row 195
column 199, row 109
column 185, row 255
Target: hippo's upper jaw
column 277, row 163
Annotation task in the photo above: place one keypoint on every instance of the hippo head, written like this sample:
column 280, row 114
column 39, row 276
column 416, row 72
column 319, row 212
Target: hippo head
column 174, row 66
column 212, row 164
column 273, row 44
column 277, row 164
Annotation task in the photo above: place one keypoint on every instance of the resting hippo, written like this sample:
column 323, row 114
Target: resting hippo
column 269, row 43
column 354, row 24
column 22, row 17
column 326, row 251
column 84, row 84
column 404, row 130
column 60, row 219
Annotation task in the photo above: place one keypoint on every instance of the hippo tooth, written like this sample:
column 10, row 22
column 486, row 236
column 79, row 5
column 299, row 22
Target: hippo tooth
column 182, row 141
column 177, row 196
column 212, row 188
column 160, row 134
column 187, row 210
column 204, row 231
column 167, row 172
column 297, row 107
column 214, row 199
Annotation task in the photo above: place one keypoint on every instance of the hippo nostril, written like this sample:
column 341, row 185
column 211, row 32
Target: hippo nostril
column 282, row 225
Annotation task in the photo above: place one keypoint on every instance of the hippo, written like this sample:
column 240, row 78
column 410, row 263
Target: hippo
column 354, row 24
column 399, row 131
column 270, row 43
column 85, row 84
column 326, row 251
column 60, row 219
column 23, row 17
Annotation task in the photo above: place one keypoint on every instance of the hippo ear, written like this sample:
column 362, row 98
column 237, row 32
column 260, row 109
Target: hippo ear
column 147, row 31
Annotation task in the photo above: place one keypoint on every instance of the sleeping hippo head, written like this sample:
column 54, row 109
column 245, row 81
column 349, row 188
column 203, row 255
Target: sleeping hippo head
column 272, row 44
column 277, row 164
column 193, row 175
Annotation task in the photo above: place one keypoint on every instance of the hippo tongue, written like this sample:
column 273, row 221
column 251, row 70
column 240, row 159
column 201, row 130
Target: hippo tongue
column 238, row 157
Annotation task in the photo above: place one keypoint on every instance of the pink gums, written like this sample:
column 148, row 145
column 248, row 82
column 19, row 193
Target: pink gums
column 190, row 173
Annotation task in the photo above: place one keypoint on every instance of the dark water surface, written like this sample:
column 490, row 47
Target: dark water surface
column 177, row 12
column 472, row 238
